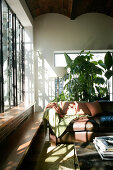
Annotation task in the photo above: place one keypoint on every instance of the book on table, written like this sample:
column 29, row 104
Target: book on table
column 104, row 146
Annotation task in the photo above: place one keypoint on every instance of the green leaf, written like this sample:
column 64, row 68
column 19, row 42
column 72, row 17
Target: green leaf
column 100, row 62
column 94, row 62
column 101, row 90
column 68, row 60
column 108, row 74
column 99, row 80
column 93, row 69
column 108, row 60
column 81, row 52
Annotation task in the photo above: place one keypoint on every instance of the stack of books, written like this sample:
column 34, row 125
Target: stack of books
column 104, row 146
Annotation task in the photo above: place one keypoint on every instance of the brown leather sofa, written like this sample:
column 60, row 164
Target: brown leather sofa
column 85, row 129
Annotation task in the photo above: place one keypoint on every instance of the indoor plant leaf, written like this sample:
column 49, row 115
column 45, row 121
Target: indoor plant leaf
column 108, row 74
column 99, row 80
column 100, row 62
column 94, row 62
column 68, row 59
column 108, row 60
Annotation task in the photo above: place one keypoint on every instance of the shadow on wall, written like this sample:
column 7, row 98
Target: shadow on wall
column 44, row 82
column 29, row 72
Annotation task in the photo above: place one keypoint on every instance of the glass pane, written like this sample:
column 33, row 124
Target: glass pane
column 19, row 61
column 59, row 59
column 10, row 60
column 5, row 55
column 12, row 73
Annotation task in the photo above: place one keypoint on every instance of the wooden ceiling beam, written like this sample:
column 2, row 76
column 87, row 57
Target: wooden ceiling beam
column 69, row 8
column 74, row 9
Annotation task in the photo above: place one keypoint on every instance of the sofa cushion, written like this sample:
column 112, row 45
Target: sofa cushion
column 85, row 124
column 105, row 122
column 94, row 107
column 107, row 106
column 82, row 108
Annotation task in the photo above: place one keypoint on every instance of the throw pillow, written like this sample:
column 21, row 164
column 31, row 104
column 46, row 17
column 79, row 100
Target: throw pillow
column 81, row 108
column 94, row 108
column 68, row 108
column 56, row 107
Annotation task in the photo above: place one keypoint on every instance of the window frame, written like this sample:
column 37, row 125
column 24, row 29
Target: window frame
column 1, row 63
column 14, row 61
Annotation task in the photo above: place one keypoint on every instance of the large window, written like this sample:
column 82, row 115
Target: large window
column 59, row 58
column 19, row 50
column 59, row 61
column 11, row 59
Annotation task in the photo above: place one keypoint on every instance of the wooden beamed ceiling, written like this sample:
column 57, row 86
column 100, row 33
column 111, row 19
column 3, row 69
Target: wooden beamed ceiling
column 92, row 6
column 70, row 8
column 39, row 7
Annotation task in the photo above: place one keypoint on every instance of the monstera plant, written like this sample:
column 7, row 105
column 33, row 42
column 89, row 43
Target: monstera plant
column 84, row 78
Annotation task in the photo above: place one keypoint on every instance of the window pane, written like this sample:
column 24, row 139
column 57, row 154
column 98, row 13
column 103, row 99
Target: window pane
column 19, row 60
column 13, row 56
column 59, row 59
column 5, row 55
column 10, row 60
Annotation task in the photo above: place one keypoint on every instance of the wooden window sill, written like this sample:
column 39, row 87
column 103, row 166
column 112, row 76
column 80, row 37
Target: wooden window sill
column 15, row 145
column 12, row 118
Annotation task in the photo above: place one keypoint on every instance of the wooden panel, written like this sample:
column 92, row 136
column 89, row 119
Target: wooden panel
column 64, row 7
column 49, row 6
column 88, row 6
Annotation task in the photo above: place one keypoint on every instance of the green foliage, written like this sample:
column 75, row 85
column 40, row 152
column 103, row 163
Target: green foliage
column 68, row 60
column 61, row 97
column 107, row 65
column 84, row 81
column 108, row 74
column 108, row 60
column 84, row 78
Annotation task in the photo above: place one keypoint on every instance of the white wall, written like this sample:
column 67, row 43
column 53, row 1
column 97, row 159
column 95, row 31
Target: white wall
column 55, row 32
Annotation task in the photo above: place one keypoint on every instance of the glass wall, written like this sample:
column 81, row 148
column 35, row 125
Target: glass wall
column 12, row 56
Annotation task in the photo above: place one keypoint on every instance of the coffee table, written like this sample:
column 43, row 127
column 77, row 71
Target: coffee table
column 89, row 158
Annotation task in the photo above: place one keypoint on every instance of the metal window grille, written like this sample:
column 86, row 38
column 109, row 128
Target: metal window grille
column 12, row 72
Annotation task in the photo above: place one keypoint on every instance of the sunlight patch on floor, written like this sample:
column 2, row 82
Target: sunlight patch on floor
column 59, row 157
